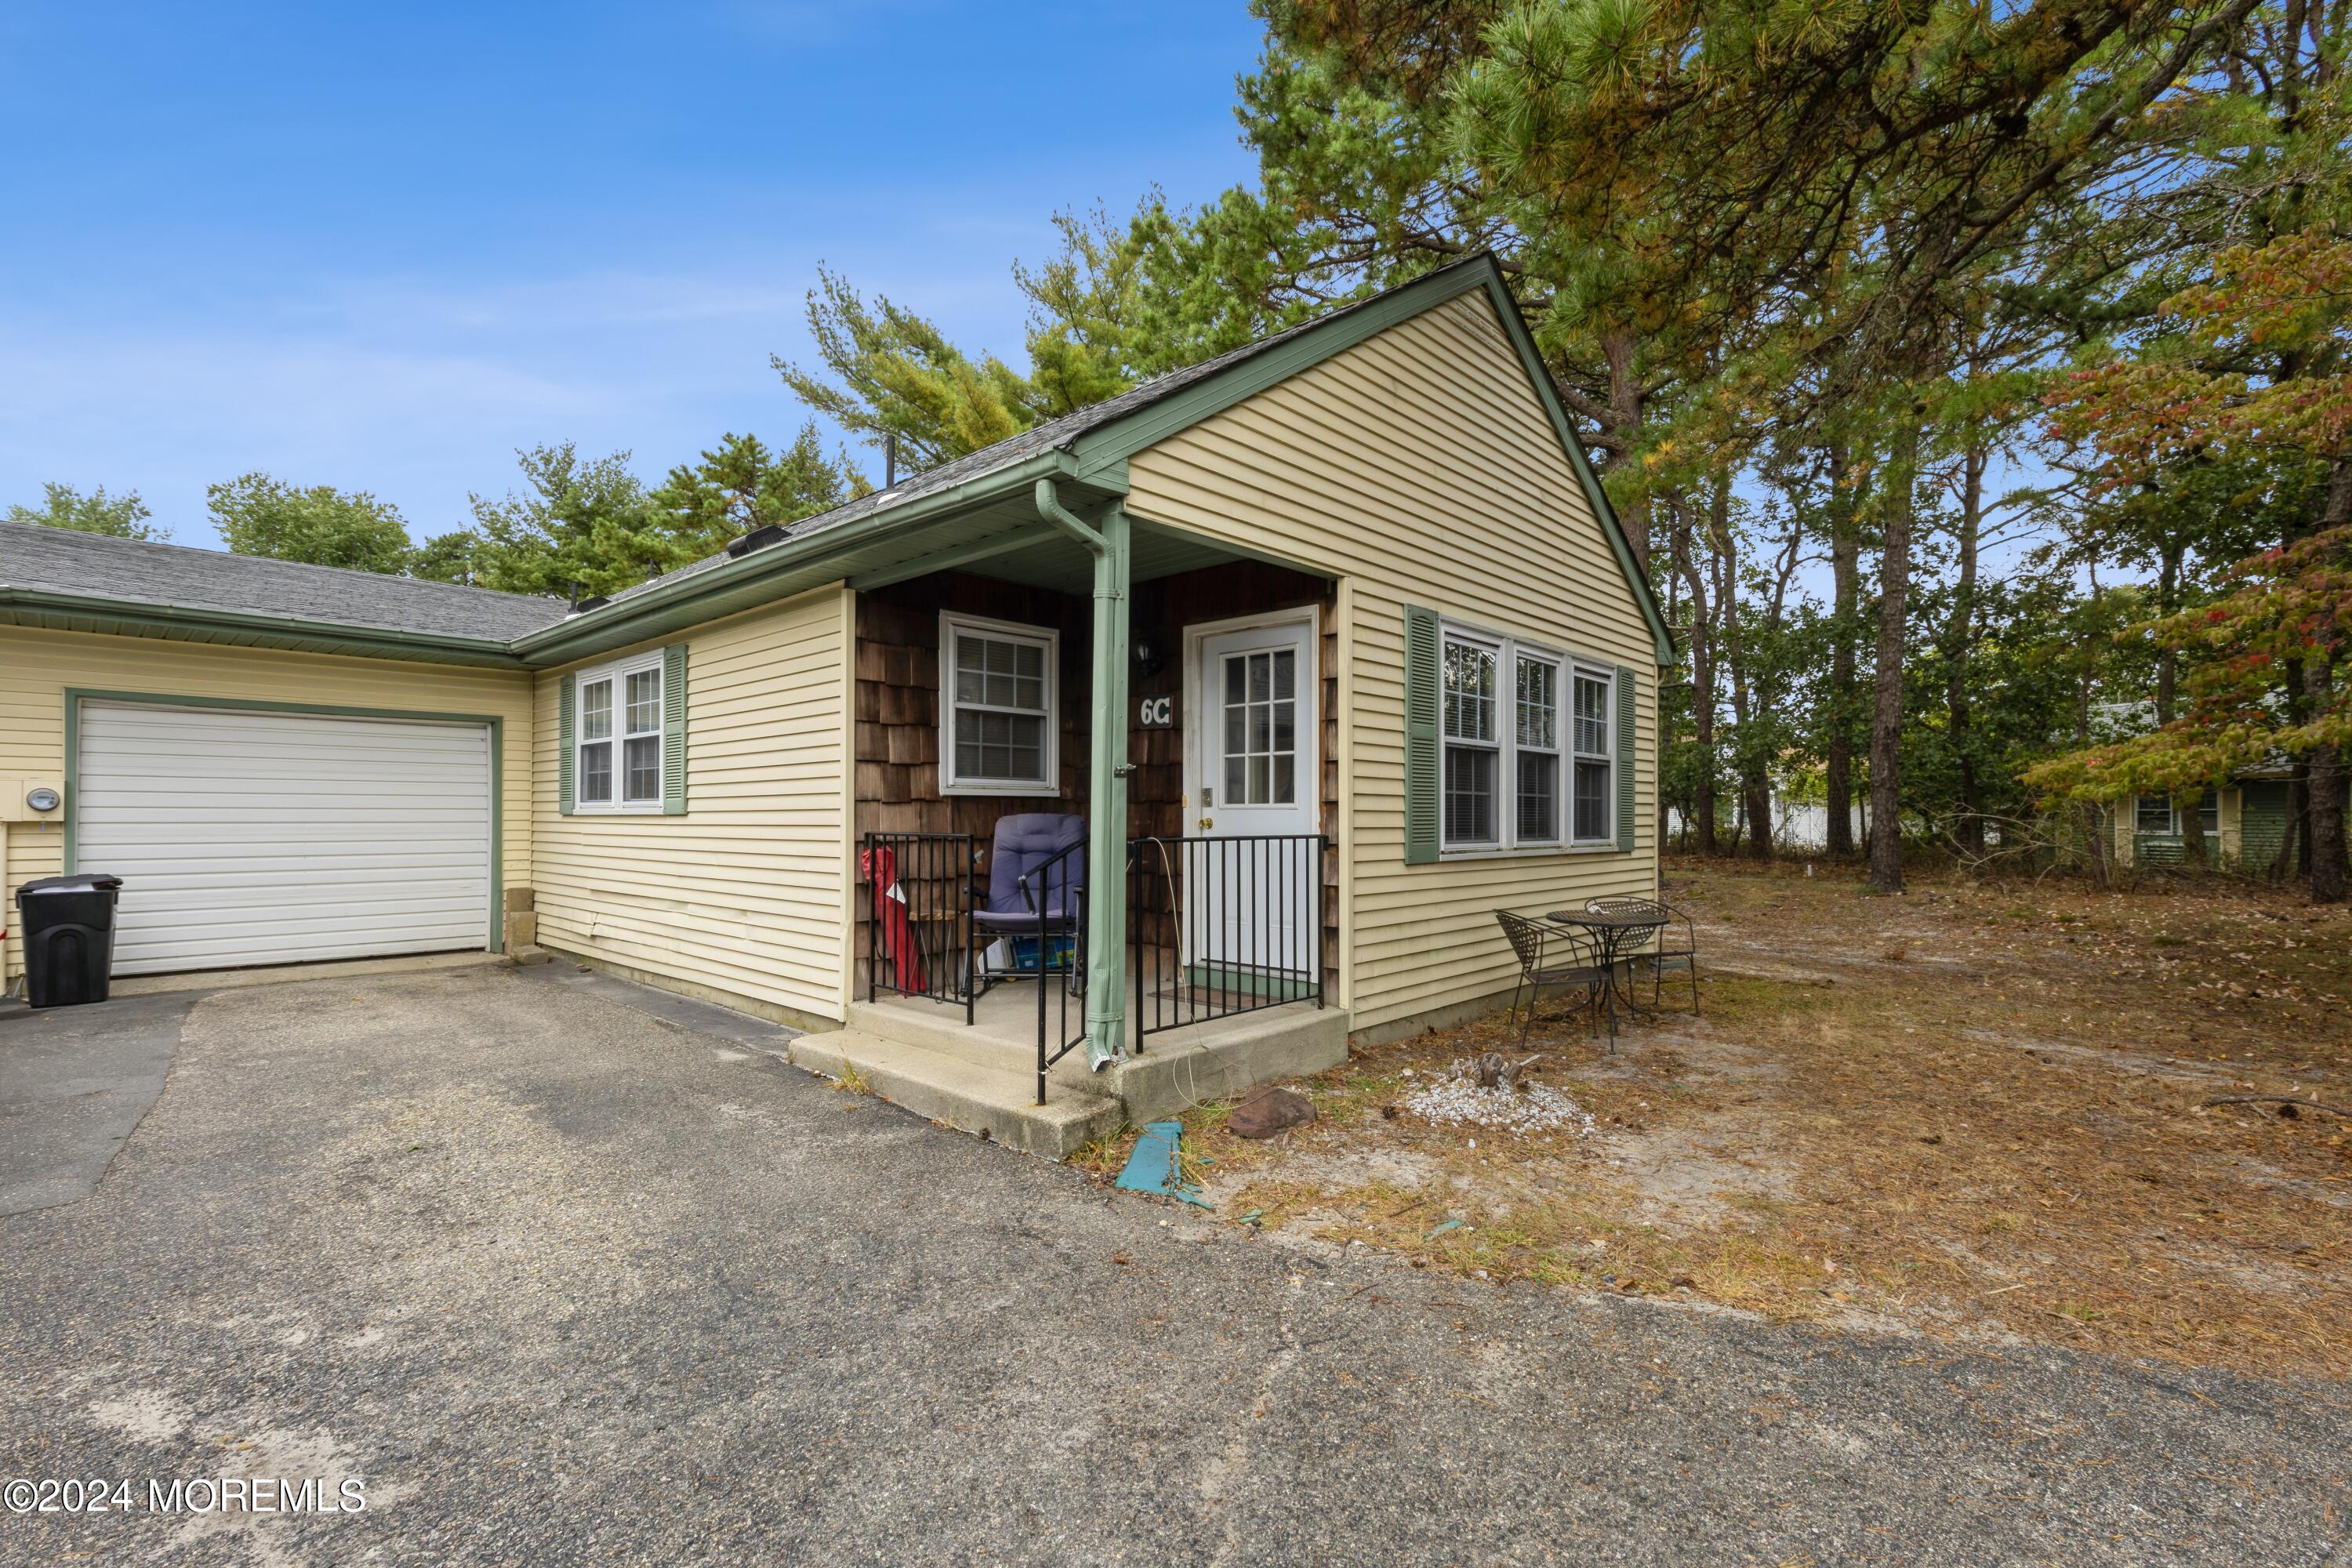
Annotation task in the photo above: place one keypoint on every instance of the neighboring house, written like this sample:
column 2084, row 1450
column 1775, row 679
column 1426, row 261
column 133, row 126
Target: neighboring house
column 1351, row 592
column 2244, row 823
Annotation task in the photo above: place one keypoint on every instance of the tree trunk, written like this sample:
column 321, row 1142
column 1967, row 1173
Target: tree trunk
column 1702, row 656
column 2290, row 853
column 2323, row 829
column 1622, row 349
column 1886, row 708
column 1959, row 640
column 1837, row 750
column 2329, row 867
column 2193, row 849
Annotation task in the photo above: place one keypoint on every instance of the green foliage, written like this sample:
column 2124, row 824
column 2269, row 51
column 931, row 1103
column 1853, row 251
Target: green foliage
column 898, row 375
column 2288, row 605
column 741, row 485
column 62, row 506
column 257, row 515
column 582, row 529
column 451, row 557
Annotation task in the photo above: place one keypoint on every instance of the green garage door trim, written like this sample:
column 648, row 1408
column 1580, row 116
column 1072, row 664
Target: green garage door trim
column 75, row 696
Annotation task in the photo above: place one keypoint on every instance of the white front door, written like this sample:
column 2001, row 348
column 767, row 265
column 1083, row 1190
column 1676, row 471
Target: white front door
column 1254, row 786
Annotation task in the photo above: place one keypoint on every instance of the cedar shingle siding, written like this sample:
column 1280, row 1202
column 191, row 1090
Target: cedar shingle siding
column 898, row 702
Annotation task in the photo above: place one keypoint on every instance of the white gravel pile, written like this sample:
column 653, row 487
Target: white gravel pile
column 1536, row 1108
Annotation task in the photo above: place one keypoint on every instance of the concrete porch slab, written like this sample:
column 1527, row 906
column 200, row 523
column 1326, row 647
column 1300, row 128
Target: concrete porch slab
column 1176, row 1068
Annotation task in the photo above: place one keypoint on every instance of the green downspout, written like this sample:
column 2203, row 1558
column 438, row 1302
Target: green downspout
column 1105, row 775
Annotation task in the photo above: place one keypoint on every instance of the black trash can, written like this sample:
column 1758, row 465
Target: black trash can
column 68, row 928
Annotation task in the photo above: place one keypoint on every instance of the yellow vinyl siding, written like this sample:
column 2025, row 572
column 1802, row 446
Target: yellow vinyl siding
column 1420, row 467
column 37, row 667
column 742, row 897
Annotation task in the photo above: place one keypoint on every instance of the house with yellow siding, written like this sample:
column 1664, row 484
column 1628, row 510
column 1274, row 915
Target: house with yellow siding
column 1300, row 662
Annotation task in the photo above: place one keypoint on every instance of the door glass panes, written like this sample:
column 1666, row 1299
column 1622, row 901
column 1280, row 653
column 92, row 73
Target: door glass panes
column 596, row 781
column 1261, row 727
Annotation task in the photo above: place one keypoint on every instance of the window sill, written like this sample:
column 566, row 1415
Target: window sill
column 636, row 808
column 1531, row 851
column 1036, row 789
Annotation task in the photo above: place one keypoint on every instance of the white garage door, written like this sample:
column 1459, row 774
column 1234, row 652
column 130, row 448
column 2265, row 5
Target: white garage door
column 248, row 837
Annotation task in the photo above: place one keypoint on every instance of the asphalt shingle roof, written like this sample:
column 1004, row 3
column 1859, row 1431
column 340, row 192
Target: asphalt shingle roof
column 60, row 561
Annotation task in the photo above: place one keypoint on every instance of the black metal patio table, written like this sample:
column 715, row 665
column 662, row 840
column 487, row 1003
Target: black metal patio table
column 1620, row 932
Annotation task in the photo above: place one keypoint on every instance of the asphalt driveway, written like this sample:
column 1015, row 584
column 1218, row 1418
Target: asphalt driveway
column 563, row 1272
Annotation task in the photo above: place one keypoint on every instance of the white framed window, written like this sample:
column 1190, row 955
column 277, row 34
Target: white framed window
column 2159, row 815
column 1537, row 770
column 1474, row 750
column 1538, row 774
column 1000, row 731
column 1595, row 736
column 617, row 736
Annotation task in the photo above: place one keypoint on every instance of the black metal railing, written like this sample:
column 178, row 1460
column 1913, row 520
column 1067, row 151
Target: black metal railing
column 1221, row 926
column 1061, row 951
column 1216, row 927
column 918, row 930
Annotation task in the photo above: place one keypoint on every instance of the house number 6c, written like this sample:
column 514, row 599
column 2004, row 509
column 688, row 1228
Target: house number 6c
column 1156, row 712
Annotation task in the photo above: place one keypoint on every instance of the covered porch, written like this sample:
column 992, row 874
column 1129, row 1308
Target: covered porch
column 1174, row 702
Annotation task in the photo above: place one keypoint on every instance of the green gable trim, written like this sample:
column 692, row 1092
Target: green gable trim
column 77, row 695
column 1101, row 454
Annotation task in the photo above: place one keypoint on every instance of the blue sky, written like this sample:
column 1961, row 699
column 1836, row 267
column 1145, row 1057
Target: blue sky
column 381, row 248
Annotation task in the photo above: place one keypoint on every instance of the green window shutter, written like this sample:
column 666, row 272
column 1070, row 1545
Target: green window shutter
column 564, row 747
column 674, row 730
column 1628, row 748
column 1421, row 740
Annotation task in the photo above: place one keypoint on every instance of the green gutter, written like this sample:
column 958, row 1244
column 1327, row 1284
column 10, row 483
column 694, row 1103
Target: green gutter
column 57, row 611
column 1106, row 893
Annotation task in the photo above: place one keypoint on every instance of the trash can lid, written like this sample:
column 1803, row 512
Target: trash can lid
column 80, row 882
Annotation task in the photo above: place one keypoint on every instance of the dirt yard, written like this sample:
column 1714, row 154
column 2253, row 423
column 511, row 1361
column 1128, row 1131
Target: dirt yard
column 1974, row 1112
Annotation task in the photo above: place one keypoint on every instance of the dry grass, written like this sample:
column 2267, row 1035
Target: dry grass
column 1967, row 1111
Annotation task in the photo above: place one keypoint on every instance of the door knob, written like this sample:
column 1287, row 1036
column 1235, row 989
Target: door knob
column 1206, row 821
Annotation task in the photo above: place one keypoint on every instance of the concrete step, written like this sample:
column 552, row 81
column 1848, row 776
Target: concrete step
column 1180, row 1067
column 978, row 1096
column 999, row 1041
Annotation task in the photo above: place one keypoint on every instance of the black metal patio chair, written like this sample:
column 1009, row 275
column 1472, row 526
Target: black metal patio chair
column 1555, row 956
column 1675, row 946
column 1036, row 898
